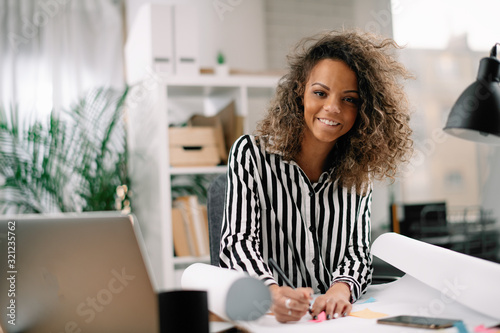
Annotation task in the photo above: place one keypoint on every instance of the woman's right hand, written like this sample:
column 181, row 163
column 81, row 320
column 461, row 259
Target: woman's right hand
column 290, row 304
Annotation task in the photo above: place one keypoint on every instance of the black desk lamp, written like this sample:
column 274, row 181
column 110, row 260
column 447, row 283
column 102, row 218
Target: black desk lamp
column 476, row 114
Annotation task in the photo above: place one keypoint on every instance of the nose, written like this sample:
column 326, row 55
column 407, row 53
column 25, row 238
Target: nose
column 332, row 105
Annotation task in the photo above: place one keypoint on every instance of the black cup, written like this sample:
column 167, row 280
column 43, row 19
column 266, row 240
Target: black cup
column 183, row 311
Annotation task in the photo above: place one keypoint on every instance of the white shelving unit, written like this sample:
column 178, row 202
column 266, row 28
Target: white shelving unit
column 153, row 105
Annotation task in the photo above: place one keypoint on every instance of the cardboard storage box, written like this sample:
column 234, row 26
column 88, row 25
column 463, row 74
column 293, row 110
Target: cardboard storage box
column 194, row 146
column 228, row 124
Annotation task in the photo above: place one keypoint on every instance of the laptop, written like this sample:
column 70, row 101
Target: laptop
column 75, row 273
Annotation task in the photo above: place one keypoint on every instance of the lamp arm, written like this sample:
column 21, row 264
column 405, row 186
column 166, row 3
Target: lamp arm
column 493, row 52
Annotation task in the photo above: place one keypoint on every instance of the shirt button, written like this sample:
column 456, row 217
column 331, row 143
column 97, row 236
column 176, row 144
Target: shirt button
column 311, row 194
column 314, row 261
column 312, row 228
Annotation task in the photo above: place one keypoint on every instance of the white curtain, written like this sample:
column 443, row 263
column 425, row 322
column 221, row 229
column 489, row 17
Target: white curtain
column 53, row 51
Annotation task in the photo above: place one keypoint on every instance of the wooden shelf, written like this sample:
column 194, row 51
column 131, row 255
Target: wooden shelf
column 221, row 81
column 190, row 260
column 198, row 170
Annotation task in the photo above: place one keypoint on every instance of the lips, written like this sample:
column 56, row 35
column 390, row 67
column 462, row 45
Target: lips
column 328, row 122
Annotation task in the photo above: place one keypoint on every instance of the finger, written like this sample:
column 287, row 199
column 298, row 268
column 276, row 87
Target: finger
column 282, row 317
column 289, row 304
column 296, row 305
column 299, row 294
column 307, row 293
column 347, row 310
column 342, row 309
column 298, row 310
column 287, row 315
column 318, row 306
column 336, row 310
column 295, row 300
column 330, row 308
column 289, row 309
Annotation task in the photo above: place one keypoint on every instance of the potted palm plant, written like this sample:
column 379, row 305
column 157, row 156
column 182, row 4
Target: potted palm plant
column 72, row 162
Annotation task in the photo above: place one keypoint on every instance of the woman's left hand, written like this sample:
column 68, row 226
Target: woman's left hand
column 335, row 302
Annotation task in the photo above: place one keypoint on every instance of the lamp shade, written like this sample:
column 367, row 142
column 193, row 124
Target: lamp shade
column 476, row 114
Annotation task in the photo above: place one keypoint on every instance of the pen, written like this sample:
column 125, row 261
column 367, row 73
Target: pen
column 280, row 272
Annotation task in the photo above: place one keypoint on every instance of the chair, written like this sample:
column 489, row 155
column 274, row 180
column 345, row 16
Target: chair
column 215, row 210
column 383, row 272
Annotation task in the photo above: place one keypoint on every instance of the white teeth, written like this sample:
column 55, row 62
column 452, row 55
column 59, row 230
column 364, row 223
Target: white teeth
column 328, row 122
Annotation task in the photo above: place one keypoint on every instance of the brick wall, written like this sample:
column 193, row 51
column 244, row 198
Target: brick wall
column 287, row 21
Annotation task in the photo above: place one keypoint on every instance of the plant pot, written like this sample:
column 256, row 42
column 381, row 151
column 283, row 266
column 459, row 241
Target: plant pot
column 222, row 70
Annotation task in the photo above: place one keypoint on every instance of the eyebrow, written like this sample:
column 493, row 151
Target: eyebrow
column 328, row 88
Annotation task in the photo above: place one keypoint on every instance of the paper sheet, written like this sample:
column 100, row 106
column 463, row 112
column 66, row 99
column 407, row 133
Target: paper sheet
column 458, row 277
column 368, row 314
column 370, row 300
column 232, row 295
column 483, row 329
column 411, row 296
column 321, row 317
column 406, row 296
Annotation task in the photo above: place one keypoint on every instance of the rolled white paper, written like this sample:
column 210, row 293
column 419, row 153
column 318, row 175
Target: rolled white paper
column 470, row 281
column 232, row 295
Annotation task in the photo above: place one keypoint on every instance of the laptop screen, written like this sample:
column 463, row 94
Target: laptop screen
column 74, row 273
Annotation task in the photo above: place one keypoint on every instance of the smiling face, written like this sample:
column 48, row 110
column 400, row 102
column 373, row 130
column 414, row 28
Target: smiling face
column 331, row 100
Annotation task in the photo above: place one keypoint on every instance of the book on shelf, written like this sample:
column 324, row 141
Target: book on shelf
column 205, row 225
column 190, row 227
column 181, row 243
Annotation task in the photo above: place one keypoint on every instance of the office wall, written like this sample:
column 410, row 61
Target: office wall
column 234, row 27
column 256, row 35
column 288, row 21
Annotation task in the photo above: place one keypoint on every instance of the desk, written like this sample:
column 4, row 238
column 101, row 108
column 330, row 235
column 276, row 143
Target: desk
column 438, row 283
column 405, row 296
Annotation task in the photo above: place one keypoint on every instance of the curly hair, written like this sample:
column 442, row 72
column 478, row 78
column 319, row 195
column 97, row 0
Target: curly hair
column 380, row 138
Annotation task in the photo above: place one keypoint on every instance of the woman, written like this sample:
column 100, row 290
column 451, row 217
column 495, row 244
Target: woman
column 299, row 191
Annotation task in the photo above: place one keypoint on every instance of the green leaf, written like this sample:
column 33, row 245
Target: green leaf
column 68, row 163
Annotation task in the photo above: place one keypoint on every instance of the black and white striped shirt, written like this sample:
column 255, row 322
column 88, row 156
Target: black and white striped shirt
column 317, row 233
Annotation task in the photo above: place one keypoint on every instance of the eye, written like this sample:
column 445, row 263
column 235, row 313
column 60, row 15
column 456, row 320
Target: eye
column 352, row 100
column 319, row 93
